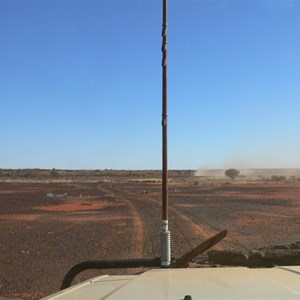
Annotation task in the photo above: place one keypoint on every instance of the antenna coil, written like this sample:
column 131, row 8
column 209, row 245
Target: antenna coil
column 165, row 245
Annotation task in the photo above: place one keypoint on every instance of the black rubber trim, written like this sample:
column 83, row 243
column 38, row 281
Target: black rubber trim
column 108, row 264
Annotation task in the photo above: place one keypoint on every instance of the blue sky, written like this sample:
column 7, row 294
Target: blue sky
column 80, row 84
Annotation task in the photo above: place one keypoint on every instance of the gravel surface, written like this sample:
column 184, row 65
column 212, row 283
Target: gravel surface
column 43, row 236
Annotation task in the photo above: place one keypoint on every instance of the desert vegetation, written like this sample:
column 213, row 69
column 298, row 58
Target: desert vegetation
column 232, row 173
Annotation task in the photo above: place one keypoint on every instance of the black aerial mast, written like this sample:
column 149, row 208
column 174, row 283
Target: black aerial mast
column 165, row 237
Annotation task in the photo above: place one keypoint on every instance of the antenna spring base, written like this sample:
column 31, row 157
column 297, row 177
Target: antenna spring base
column 165, row 246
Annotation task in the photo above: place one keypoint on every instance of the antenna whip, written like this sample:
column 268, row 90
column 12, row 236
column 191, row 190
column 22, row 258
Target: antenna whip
column 165, row 236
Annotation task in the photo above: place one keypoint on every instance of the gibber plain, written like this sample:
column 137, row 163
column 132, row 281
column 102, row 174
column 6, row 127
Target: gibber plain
column 53, row 219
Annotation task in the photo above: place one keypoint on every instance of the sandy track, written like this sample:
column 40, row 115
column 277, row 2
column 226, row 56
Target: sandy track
column 187, row 230
column 137, row 226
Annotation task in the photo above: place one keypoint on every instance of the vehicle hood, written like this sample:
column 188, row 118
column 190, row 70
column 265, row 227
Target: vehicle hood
column 199, row 283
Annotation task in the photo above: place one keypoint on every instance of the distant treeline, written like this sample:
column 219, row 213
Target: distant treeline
column 89, row 174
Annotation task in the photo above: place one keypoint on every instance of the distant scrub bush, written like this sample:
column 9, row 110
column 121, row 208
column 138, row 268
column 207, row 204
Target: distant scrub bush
column 278, row 178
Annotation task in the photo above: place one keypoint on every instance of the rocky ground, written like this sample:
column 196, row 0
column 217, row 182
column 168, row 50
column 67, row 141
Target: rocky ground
column 47, row 227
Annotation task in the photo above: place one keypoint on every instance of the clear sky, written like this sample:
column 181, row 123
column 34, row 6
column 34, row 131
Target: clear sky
column 80, row 84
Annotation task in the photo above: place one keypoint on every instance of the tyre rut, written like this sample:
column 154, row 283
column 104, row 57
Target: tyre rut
column 186, row 230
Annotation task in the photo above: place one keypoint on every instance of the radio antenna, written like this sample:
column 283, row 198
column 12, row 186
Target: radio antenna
column 165, row 236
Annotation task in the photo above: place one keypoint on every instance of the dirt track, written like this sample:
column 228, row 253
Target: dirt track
column 42, row 237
